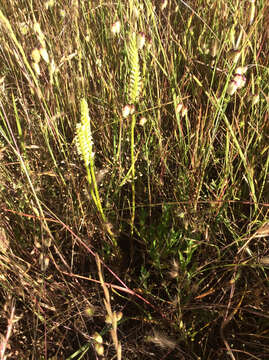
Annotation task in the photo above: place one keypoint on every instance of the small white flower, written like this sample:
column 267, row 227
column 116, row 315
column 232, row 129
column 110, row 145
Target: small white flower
column 231, row 89
column 179, row 108
column 241, row 70
column 184, row 111
column 142, row 121
column 240, row 81
column 140, row 40
column 126, row 111
column 115, row 28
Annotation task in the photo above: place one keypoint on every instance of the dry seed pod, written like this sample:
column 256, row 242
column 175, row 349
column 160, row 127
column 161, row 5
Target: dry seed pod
column 179, row 107
column 231, row 89
column 214, row 48
column 140, row 40
column 265, row 260
column 98, row 338
column 119, row 315
column 99, row 349
column 162, row 340
column 263, row 231
column 43, row 261
column 36, row 68
column 89, row 311
column 108, row 319
column 254, row 99
column 184, row 111
column 174, row 272
column 44, row 54
column 251, row 12
column 35, row 54
column 4, row 242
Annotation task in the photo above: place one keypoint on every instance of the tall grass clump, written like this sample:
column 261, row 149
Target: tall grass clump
column 134, row 92
column 134, row 179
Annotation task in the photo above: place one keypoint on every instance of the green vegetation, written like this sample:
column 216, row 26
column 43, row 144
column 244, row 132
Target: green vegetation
column 134, row 179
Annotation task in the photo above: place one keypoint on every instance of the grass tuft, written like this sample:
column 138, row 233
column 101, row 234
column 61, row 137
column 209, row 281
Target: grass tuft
column 134, row 166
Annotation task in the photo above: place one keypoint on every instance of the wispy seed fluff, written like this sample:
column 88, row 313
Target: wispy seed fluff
column 162, row 340
column 174, row 271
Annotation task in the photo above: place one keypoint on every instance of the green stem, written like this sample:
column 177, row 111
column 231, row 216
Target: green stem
column 133, row 171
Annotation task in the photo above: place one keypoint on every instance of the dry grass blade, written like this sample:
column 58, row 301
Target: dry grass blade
column 5, row 339
column 112, row 317
column 175, row 117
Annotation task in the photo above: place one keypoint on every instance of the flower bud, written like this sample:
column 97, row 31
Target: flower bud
column 119, row 315
column 97, row 337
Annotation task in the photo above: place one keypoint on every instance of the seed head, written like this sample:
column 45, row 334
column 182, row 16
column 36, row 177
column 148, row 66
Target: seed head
column 164, row 4
column 184, row 111
column 255, row 99
column 162, row 340
column 174, row 272
column 44, row 54
column 99, row 349
column 98, row 338
column 35, row 55
column 49, row 4
column 36, row 68
column 251, row 12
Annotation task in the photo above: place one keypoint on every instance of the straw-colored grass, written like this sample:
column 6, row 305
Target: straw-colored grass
column 134, row 179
